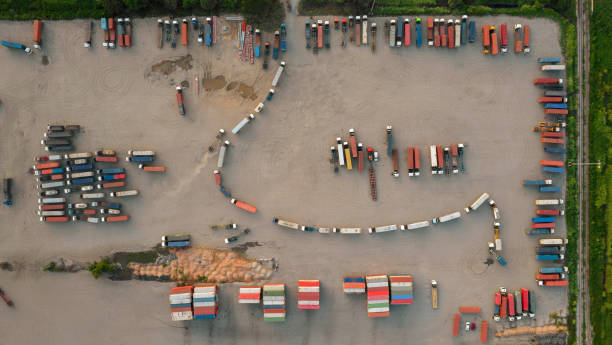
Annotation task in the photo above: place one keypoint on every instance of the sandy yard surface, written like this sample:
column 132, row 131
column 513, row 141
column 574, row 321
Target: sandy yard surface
column 280, row 164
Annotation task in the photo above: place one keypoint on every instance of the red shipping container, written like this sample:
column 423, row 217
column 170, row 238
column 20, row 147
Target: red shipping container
column 113, row 184
column 556, row 111
column 184, row 27
column 454, row 150
column 154, row 168
column 378, row 289
column 410, row 159
column 308, row 283
column 553, row 134
column 106, row 159
column 52, row 207
column 399, row 279
column 117, row 218
column 504, row 307
column 541, row 276
column 439, row 152
column 249, row 296
column 274, row 311
column 546, row 81
column 57, row 177
column 217, row 176
column 526, row 34
column 89, row 212
column 542, row 225
column 354, row 285
column 308, row 306
column 550, row 99
column 417, row 160
column 49, row 165
column 401, row 301
column 556, row 283
column 56, row 219
column 551, row 141
column 551, row 163
column 456, row 321
column 511, row 307
column 548, row 212
column 205, row 310
column 180, row 309
column 37, row 34
column 181, row 289
column 244, row 206
column 381, row 314
column 469, row 310
column 485, row 37
column 525, row 299
column 308, row 296
column 406, row 34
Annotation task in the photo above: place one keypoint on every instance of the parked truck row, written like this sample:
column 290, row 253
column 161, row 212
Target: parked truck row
column 447, row 160
column 514, row 306
column 116, row 32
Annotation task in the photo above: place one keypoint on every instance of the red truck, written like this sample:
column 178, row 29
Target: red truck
column 179, row 100
column 504, row 38
column 511, row 307
column 360, row 156
column 436, row 33
column 410, row 159
column 456, row 322
column 542, row 225
column 6, row 300
column 504, row 307
column 549, row 213
column 443, row 36
column 112, row 32
column 320, row 34
column 353, row 142
column 440, row 157
column 37, row 34
column 484, row 331
column 407, row 33
column 541, row 276
column 128, row 32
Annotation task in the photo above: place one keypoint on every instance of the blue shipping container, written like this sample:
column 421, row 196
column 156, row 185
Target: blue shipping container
column 472, row 31
column 551, row 270
column 81, row 167
column 550, row 189
column 111, row 171
column 548, row 257
column 141, row 159
column 555, row 106
column 534, row 182
column 552, row 169
column 549, row 60
column 543, row 219
column 555, row 150
column 354, row 279
column 82, row 180
column 103, row 24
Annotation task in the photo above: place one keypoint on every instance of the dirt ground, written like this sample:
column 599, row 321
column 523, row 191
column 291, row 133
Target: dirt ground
column 280, row 164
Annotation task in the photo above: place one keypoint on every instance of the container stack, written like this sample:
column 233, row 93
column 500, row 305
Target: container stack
column 401, row 289
column 308, row 294
column 249, row 295
column 205, row 302
column 274, row 302
column 181, row 303
column 378, row 295
column 354, row 285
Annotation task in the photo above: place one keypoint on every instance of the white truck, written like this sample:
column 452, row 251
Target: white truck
column 447, row 217
column 414, row 226
column 384, row 228
column 552, row 241
column 477, row 203
column 549, row 202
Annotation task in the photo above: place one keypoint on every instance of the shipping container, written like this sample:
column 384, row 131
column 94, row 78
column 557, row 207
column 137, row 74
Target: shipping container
column 456, row 322
column 354, row 285
column 308, row 294
column 477, row 203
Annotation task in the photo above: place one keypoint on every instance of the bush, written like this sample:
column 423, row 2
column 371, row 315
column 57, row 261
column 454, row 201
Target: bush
column 104, row 266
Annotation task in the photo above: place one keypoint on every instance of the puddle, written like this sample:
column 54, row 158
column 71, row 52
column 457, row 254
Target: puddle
column 242, row 248
column 169, row 66
column 45, row 60
column 215, row 83
column 243, row 89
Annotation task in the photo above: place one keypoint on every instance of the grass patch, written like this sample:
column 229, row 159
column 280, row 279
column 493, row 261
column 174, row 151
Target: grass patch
column 102, row 266
column 600, row 180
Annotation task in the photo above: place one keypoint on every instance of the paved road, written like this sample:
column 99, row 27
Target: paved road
column 583, row 324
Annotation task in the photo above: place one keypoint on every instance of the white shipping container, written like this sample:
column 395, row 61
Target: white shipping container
column 182, row 316
column 380, row 284
column 477, row 203
column 51, row 200
column 287, row 224
column 378, row 310
column 308, row 302
column 92, row 195
column 348, row 230
column 204, row 304
column 180, row 296
column 279, row 71
column 52, row 184
column 549, row 202
column 78, row 155
column 553, row 68
column 267, row 315
column 324, row 230
column 414, row 226
column 434, row 159
column 80, row 174
column 250, row 290
column 308, row 289
column 245, row 301
column 141, row 153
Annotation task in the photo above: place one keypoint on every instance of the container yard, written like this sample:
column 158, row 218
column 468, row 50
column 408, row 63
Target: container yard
column 362, row 245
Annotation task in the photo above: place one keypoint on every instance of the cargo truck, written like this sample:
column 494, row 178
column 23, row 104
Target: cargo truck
column 518, row 305
column 37, row 34
column 179, row 100
column 536, row 182
column 385, row 228
column 434, row 159
column 486, row 39
column 450, row 27
column 357, row 30
column 553, row 60
column 430, row 27
column 457, row 33
column 552, row 189
column 400, row 32
column 418, row 39
column 464, row 29
column 551, row 202
column 283, row 37
column 446, row 218
column 406, row 32
column 436, row 32
column 392, row 33
column 548, row 81
column 364, row 30
column 128, row 32
column 395, row 172
column 553, row 283
column 472, row 35
column 504, row 38
column 477, row 203
column 553, row 241
column 553, row 68
column 497, row 307
column 526, row 39
column 18, row 46
column 347, row 156
column 494, row 43
column 518, row 40
column 550, row 257
column 555, row 93
column 552, row 169
column 434, row 294
column 410, row 159
column 414, row 226
column 7, row 186
column 554, row 270
column 511, row 308
column 543, row 219
column 222, row 152
column 276, row 45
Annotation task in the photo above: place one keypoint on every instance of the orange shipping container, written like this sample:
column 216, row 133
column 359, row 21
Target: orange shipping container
column 184, row 32
column 37, row 34
column 494, row 46
column 526, row 34
column 551, row 141
column 551, row 163
column 456, row 321
column 484, row 331
column 113, row 184
column 550, row 99
column 117, row 218
column 485, row 39
column 556, row 283
column 553, row 134
column 154, row 169
column 469, row 310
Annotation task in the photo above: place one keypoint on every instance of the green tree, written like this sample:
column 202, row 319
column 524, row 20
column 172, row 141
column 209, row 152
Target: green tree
column 136, row 5
column 112, row 6
column 171, row 4
column 266, row 13
column 208, row 4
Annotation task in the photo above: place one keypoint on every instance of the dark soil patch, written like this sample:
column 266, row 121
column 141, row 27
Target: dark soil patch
column 242, row 248
column 169, row 66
